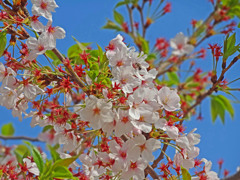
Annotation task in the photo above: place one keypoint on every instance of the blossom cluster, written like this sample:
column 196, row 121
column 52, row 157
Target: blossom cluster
column 141, row 113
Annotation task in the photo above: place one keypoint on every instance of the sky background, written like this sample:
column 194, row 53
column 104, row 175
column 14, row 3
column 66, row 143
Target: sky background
column 84, row 19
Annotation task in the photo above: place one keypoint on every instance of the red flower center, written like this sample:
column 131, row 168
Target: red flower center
column 96, row 111
column 133, row 165
column 43, row 5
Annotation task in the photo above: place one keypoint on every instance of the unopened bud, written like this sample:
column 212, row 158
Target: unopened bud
column 13, row 40
column 148, row 22
column 214, row 78
column 16, row 2
column 193, row 41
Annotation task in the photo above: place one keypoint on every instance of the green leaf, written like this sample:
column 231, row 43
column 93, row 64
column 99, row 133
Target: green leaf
column 46, row 128
column 151, row 57
column 100, row 53
column 227, row 105
column 121, row 3
column 231, row 41
column 55, row 155
column 37, row 158
column 126, row 2
column 200, row 28
column 77, row 60
column 214, row 112
column 94, row 71
column 21, row 151
column 217, row 109
column 118, row 17
column 3, row 42
column 64, row 162
column 185, row 174
column 80, row 45
column 232, row 50
column 1, row 173
column 8, row 129
column 47, row 170
column 52, row 55
column 229, row 46
column 135, row 2
column 145, row 45
column 192, row 84
column 94, row 66
column 94, row 55
column 173, row 77
column 73, row 51
column 62, row 172
column 112, row 25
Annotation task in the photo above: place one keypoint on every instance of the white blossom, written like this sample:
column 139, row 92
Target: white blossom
column 180, row 45
column 97, row 112
column 51, row 34
column 91, row 170
column 32, row 166
column 44, row 8
column 146, row 147
column 169, row 99
column 38, row 46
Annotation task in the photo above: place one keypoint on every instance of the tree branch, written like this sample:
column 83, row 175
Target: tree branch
column 140, row 9
column 69, row 68
column 160, row 157
column 233, row 177
column 131, row 18
column 213, row 88
column 18, row 138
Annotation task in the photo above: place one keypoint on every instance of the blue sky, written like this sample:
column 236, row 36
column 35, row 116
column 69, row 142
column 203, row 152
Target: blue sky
column 84, row 19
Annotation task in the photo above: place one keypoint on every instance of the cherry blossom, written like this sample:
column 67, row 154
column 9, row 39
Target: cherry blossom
column 44, row 8
column 116, row 45
column 97, row 112
column 91, row 170
column 210, row 175
column 32, row 166
column 52, row 33
column 36, row 24
column 123, row 124
column 146, row 147
column 169, row 99
column 171, row 130
column 122, row 155
column 37, row 46
column 135, row 170
column 5, row 72
column 8, row 97
column 180, row 45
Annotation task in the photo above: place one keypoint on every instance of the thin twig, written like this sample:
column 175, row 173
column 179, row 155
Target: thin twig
column 162, row 68
column 131, row 18
column 140, row 9
column 18, row 138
